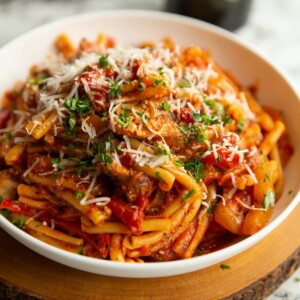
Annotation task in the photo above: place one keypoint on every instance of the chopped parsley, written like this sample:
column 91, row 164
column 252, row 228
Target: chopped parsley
column 157, row 82
column 185, row 129
column 195, row 131
column 241, row 124
column 115, row 89
column 157, row 174
column 6, row 214
column 188, row 195
column 297, row 279
column 100, row 152
column 185, row 83
column 223, row 266
column 1, row 198
column 165, row 105
column 69, row 125
column 79, row 194
column 218, row 108
column 196, row 167
column 104, row 158
column 71, row 147
column 269, row 200
column 103, row 62
column 8, row 137
column 211, row 207
column 218, row 158
column 226, row 119
column 267, row 177
column 79, row 250
column 160, row 150
column 56, row 162
column 82, row 164
column 178, row 163
column 209, row 120
column 19, row 223
column 124, row 119
column 205, row 119
column 126, row 106
column 141, row 87
column 72, row 123
column 78, row 106
column 161, row 71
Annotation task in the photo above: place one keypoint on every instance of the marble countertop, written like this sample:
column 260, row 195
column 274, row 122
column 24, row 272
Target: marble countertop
column 273, row 27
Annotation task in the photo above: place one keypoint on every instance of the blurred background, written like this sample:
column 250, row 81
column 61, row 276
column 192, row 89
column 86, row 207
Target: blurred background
column 273, row 26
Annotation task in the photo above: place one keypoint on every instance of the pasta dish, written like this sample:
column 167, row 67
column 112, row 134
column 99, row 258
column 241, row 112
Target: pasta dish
column 138, row 154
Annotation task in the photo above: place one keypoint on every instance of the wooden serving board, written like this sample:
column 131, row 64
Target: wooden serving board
column 254, row 274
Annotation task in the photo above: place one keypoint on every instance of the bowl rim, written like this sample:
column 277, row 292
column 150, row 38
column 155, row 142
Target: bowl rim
column 158, row 269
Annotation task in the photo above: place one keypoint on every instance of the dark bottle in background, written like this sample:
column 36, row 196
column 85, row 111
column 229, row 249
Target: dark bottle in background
column 229, row 14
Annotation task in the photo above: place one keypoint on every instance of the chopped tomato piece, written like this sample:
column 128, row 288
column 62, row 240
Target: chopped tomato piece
column 223, row 159
column 186, row 116
column 131, row 216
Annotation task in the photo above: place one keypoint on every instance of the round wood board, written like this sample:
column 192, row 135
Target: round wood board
column 253, row 274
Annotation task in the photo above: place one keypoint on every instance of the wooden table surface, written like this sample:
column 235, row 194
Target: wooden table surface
column 254, row 274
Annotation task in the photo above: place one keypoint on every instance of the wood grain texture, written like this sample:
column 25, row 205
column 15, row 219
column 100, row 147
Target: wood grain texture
column 254, row 274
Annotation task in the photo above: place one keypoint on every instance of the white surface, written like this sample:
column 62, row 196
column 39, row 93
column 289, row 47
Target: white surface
column 273, row 27
column 226, row 49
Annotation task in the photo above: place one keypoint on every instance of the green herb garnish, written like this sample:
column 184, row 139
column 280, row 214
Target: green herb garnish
column 226, row 119
column 72, row 123
column 267, row 177
column 165, row 105
column 115, row 89
column 126, row 106
column 223, row 266
column 157, row 174
column 185, row 83
column 196, row 167
column 211, row 207
column 185, row 129
column 71, row 147
column 103, row 62
column 104, row 158
column 8, row 137
column 78, row 106
column 269, row 200
column 157, row 82
column 218, row 108
column 6, row 214
column 187, row 195
column 79, row 194
column 178, row 163
column 19, row 223
column 161, row 71
column 56, row 162
column 124, row 119
column 141, row 87
column 160, row 150
column 241, row 124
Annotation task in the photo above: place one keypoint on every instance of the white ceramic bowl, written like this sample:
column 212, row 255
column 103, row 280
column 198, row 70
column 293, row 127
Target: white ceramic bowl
column 131, row 27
